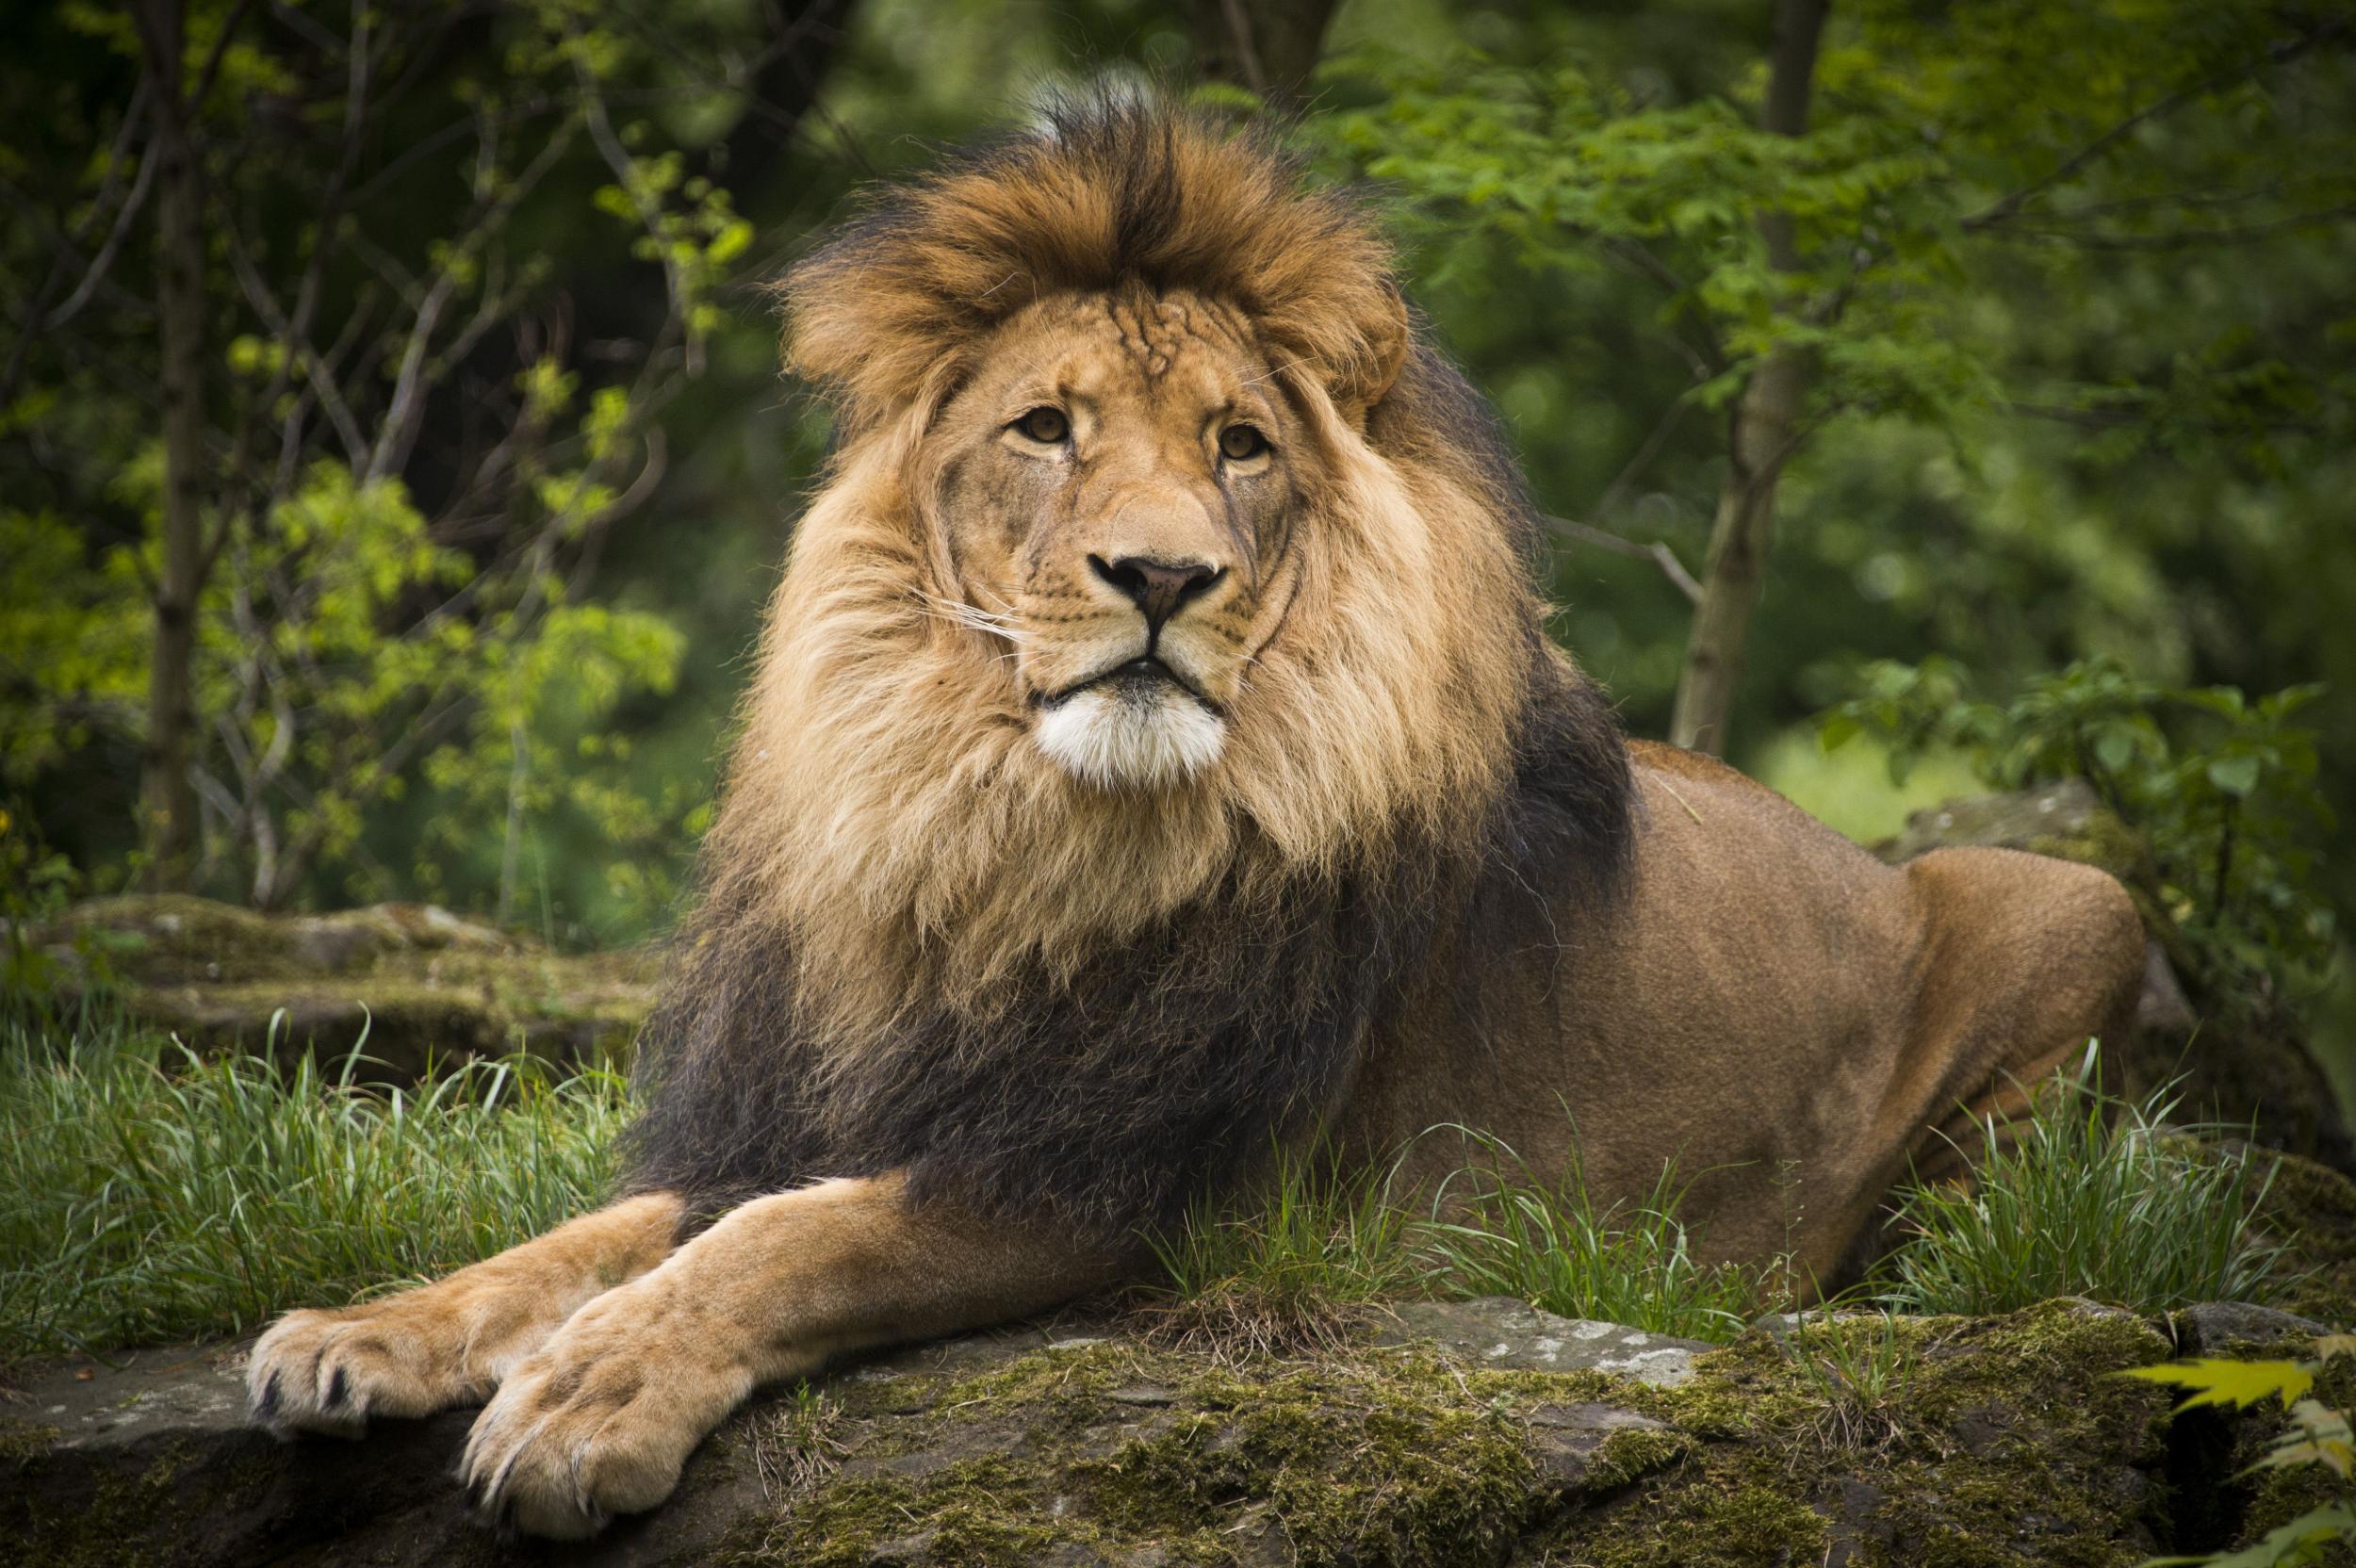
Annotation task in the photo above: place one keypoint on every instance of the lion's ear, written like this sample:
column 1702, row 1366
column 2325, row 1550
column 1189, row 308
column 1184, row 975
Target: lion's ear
column 859, row 335
column 1387, row 332
column 1347, row 324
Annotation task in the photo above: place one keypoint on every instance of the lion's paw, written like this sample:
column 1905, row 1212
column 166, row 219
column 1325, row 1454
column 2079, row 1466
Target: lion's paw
column 599, row 1423
column 331, row 1371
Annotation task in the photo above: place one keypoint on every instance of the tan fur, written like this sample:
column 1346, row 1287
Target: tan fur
column 1764, row 1004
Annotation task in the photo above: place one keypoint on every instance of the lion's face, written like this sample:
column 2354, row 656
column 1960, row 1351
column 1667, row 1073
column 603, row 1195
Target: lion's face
column 1115, row 493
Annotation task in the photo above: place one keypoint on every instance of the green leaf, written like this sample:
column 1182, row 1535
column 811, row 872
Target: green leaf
column 2236, row 775
column 2300, row 1541
column 2238, row 1384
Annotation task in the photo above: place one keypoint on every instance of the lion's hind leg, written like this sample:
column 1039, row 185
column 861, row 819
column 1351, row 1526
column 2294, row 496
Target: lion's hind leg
column 2022, row 960
column 452, row 1342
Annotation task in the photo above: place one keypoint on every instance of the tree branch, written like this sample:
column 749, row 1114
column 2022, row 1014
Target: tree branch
column 1659, row 554
column 2281, row 54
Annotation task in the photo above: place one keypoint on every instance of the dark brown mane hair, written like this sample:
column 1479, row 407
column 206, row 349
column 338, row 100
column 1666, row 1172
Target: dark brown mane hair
column 1103, row 1090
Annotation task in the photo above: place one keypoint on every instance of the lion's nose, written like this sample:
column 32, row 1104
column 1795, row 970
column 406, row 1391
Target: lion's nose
column 1156, row 587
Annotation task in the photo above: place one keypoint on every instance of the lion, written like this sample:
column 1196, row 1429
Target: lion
column 1157, row 756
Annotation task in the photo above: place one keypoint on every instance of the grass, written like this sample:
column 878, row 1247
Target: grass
column 1518, row 1233
column 1291, row 1271
column 800, row 1444
column 147, row 1195
column 2087, row 1196
column 1295, row 1269
column 1859, row 1367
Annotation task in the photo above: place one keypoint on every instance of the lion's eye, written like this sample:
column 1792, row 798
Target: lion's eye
column 1047, row 426
column 1241, row 443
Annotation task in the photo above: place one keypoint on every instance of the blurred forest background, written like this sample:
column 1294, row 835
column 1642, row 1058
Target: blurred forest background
column 1927, row 397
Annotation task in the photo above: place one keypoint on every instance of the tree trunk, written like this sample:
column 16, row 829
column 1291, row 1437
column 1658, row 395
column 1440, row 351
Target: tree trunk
column 1759, row 437
column 1269, row 46
column 167, row 825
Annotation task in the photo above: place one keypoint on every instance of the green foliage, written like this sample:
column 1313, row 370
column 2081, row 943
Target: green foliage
column 35, row 882
column 1548, row 1241
column 2223, row 787
column 417, row 464
column 2085, row 1195
column 155, row 1195
column 1926, row 138
column 2318, row 1436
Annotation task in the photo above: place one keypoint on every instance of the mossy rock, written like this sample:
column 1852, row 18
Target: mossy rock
column 2002, row 1441
column 406, row 984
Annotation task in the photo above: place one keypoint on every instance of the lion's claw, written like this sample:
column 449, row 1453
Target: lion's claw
column 331, row 1371
column 599, row 1423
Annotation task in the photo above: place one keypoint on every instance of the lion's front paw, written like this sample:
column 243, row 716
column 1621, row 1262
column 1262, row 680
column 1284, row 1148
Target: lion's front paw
column 329, row 1371
column 601, row 1421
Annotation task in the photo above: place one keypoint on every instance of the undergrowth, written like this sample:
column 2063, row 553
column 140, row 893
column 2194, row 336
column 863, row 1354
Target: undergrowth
column 147, row 1194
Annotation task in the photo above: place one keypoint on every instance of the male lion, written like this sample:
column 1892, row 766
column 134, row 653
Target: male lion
column 1156, row 751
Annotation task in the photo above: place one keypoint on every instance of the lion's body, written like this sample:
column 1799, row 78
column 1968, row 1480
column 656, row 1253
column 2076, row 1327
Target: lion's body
column 1773, row 1009
column 1157, row 751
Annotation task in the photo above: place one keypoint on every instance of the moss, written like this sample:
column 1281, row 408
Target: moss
column 2008, row 1443
column 982, row 1512
column 2312, row 1209
column 2013, row 1445
column 24, row 1442
column 1628, row 1456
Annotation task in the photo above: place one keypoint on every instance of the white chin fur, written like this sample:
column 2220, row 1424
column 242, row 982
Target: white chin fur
column 1116, row 738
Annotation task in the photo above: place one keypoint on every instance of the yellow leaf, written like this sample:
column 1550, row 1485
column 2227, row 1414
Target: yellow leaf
column 2335, row 1345
column 2239, row 1383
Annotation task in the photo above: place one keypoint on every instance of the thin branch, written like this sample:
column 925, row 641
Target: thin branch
column 1659, row 554
column 406, row 409
column 1646, row 451
column 2281, row 54
column 650, row 216
column 293, row 344
column 1638, row 259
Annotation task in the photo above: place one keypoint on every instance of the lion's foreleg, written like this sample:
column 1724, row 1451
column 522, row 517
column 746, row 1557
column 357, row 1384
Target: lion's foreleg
column 451, row 1342
column 600, row 1421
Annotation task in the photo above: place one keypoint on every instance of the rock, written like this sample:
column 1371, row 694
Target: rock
column 2053, row 819
column 404, row 983
column 2208, row 1327
column 2013, row 1444
column 1567, row 1440
column 1503, row 1334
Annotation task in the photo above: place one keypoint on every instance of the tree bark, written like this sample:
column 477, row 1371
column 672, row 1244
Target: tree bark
column 1759, row 438
column 1268, row 46
column 168, row 823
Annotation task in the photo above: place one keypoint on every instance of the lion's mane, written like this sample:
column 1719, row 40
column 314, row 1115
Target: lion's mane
column 919, row 945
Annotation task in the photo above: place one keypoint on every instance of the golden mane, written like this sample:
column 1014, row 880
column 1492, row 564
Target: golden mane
column 901, row 885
